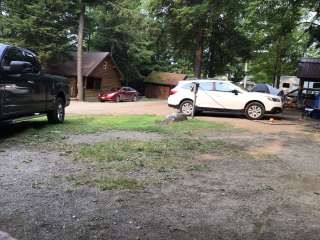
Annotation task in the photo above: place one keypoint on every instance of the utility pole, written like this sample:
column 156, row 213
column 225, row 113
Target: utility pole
column 195, row 89
column 246, row 75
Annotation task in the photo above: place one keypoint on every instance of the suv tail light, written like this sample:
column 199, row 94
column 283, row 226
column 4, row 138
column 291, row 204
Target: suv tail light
column 173, row 92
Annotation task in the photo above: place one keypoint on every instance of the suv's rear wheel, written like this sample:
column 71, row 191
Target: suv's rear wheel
column 254, row 111
column 186, row 107
column 58, row 113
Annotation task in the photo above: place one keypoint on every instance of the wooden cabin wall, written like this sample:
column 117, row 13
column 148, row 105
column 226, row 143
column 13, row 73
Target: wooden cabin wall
column 156, row 91
column 110, row 78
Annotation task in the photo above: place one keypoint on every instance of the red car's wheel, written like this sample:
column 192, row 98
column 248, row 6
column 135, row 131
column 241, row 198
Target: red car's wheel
column 134, row 99
column 118, row 98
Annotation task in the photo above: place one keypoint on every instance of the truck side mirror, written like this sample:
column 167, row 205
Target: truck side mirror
column 17, row 67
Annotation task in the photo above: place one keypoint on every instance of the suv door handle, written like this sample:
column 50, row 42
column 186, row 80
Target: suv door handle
column 31, row 82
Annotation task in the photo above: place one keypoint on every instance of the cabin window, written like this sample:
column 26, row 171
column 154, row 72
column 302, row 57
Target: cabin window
column 286, row 85
column 93, row 83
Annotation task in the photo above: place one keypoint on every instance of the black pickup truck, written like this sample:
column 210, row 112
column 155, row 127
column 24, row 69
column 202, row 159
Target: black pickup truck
column 25, row 91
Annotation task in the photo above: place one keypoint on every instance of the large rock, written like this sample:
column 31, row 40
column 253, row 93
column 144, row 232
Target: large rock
column 174, row 117
column 5, row 236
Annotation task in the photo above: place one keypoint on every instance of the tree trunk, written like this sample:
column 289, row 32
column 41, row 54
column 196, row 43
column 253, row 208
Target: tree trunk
column 199, row 54
column 79, row 53
column 278, row 65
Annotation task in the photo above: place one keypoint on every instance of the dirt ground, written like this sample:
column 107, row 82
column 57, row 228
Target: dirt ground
column 270, row 190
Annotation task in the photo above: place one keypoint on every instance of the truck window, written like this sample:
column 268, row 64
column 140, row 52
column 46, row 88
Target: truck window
column 13, row 54
column 28, row 57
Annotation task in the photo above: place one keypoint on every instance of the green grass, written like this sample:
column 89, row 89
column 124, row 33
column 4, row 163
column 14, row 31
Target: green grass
column 159, row 155
column 38, row 132
column 146, row 123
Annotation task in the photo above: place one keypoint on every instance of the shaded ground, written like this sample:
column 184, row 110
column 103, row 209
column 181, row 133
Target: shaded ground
column 234, row 185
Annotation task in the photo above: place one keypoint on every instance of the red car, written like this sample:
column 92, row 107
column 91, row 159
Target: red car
column 118, row 95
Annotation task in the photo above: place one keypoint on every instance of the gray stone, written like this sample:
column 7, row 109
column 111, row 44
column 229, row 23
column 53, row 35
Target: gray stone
column 174, row 117
column 5, row 236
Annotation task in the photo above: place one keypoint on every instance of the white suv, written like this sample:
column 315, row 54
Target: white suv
column 219, row 95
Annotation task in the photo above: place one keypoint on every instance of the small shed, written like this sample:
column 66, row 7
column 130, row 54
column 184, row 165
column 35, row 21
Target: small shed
column 159, row 84
column 100, row 72
column 308, row 71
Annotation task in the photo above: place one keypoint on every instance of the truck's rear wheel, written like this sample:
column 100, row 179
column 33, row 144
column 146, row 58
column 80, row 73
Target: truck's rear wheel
column 58, row 113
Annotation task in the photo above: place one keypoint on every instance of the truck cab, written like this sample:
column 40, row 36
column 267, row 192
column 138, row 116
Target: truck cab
column 25, row 90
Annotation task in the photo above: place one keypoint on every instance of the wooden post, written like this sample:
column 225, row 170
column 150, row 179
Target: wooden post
column 300, row 92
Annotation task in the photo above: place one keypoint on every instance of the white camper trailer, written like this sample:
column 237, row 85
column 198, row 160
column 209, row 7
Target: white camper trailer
column 289, row 84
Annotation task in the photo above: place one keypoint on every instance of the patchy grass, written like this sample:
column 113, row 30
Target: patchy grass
column 39, row 132
column 117, row 183
column 112, row 164
column 106, row 182
column 160, row 155
column 198, row 167
column 145, row 123
column 152, row 162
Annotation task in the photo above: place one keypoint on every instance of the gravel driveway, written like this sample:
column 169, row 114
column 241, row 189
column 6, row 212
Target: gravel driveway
column 264, row 186
column 156, row 107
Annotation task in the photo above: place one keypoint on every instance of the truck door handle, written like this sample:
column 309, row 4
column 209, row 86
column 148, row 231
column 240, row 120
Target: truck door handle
column 31, row 82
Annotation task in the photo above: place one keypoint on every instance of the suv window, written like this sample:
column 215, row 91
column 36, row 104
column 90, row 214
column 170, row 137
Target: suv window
column 207, row 86
column 186, row 85
column 224, row 87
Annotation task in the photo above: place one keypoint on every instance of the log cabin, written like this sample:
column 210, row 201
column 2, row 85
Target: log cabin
column 100, row 72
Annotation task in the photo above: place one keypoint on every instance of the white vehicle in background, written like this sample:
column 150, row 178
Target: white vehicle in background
column 223, row 96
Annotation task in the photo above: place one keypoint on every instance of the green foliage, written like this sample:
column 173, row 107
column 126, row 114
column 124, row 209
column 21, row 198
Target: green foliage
column 180, row 22
column 278, row 31
column 161, row 35
column 43, row 26
column 122, row 29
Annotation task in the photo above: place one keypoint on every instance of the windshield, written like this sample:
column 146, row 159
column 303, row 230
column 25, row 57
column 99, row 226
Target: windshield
column 2, row 48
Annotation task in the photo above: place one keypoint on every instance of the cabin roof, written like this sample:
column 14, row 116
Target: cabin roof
column 90, row 61
column 165, row 78
column 309, row 69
